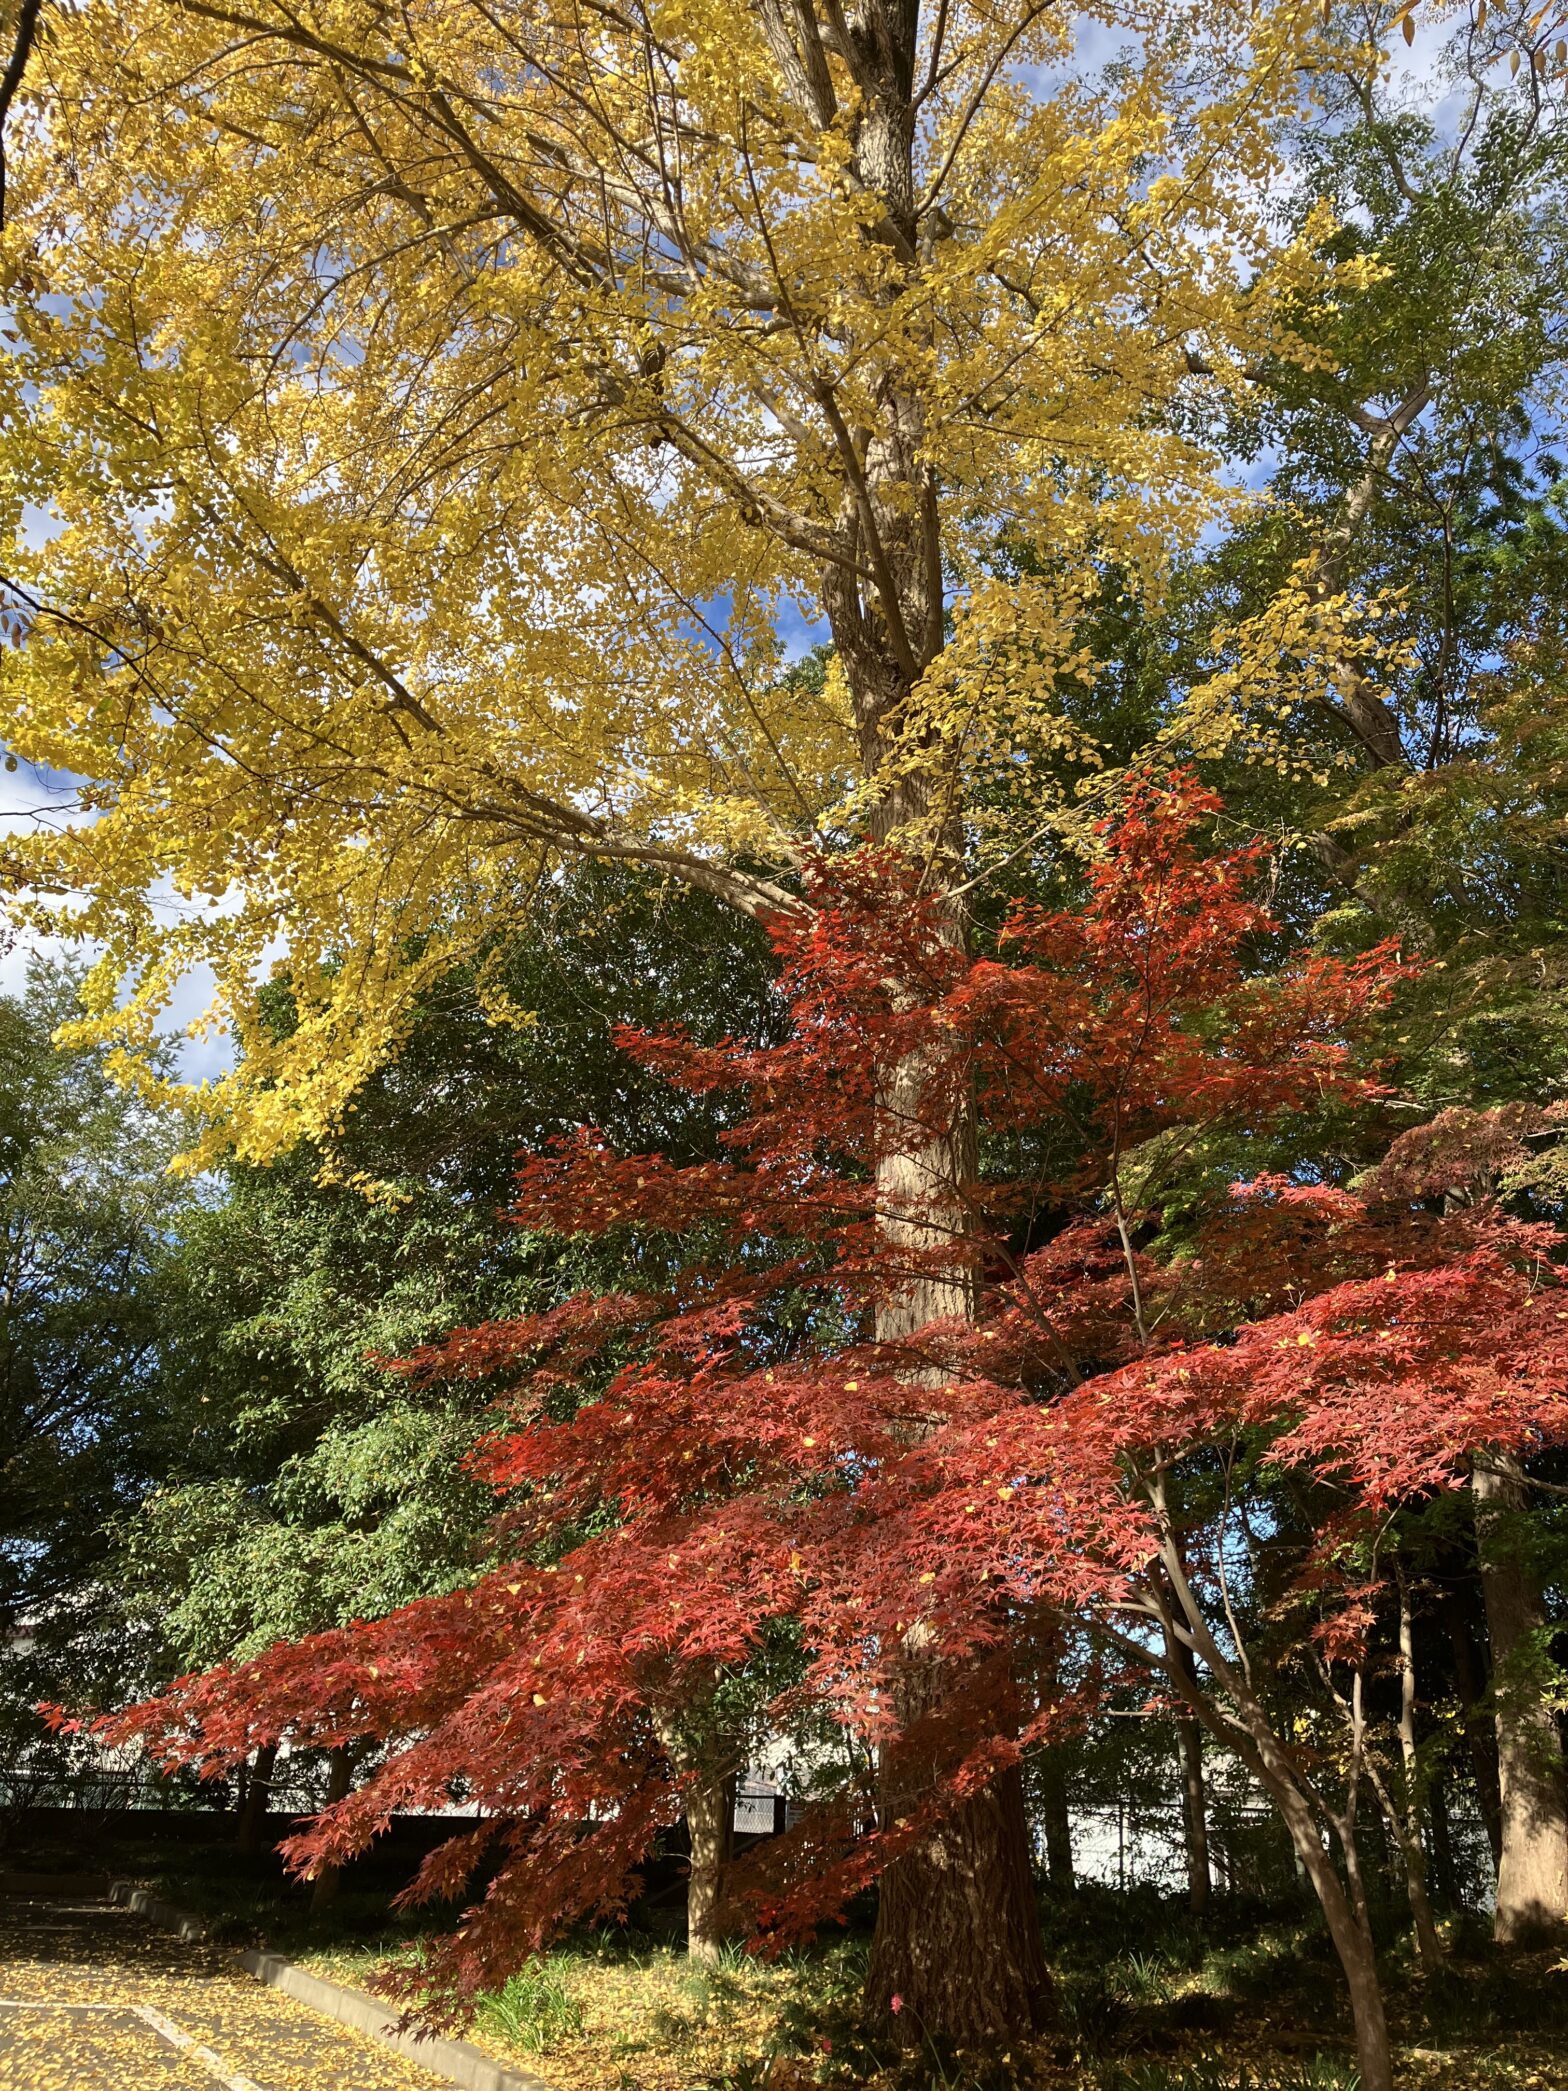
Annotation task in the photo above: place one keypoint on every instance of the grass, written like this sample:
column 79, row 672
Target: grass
column 1252, row 2002
column 616, row 2011
column 535, row 2011
column 1260, row 2011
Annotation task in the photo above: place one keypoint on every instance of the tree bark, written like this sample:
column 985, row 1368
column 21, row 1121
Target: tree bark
column 710, row 1829
column 705, row 1757
column 1532, row 1872
column 1345, row 1914
column 1480, row 1731
column 957, row 1937
column 258, row 1795
column 1056, row 1821
column 1194, row 1795
column 1409, row 1826
column 1247, row 1733
column 957, row 1933
column 340, row 1780
column 1195, row 1817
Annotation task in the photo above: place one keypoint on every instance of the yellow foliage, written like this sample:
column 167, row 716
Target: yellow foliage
column 437, row 411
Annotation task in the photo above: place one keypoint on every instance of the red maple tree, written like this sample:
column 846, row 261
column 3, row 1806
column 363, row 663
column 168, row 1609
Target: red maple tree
column 732, row 1508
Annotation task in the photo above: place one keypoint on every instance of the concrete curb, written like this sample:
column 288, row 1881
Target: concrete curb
column 453, row 2059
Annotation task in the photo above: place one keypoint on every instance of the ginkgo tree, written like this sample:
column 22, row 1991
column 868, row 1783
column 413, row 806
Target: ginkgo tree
column 435, row 419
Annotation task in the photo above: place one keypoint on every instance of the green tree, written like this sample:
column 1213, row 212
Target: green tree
column 302, row 1483
column 88, row 1210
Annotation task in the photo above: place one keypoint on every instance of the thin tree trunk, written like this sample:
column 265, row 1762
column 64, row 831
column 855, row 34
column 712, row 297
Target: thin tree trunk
column 1248, row 1734
column 710, row 1828
column 1194, row 1796
column 1350, row 1845
column 705, row 1758
column 1444, row 1869
column 258, row 1795
column 1195, row 1818
column 1408, row 1826
column 340, row 1781
column 1357, row 1956
column 1480, row 1732
column 1344, row 1914
column 1056, row 1821
column 1532, row 1872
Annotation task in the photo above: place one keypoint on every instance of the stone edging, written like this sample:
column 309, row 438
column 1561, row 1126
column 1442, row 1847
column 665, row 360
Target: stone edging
column 455, row 2060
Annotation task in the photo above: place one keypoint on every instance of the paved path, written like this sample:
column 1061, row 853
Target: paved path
column 93, row 1999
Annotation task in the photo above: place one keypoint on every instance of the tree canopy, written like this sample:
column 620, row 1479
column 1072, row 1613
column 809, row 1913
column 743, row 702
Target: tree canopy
column 438, row 420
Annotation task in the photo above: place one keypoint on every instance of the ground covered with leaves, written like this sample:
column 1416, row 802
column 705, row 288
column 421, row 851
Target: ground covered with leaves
column 1254, row 2003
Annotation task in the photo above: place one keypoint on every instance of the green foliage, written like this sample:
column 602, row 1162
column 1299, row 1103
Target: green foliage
column 86, row 1212
column 300, row 1483
column 534, row 2010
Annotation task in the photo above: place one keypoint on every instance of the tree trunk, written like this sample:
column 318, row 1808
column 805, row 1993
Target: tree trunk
column 704, row 1756
column 340, row 1780
column 1443, row 1865
column 1353, row 1944
column 1056, row 1821
column 1408, row 1827
column 1345, row 1916
column 710, row 1828
column 957, row 1935
column 1194, row 1796
column 957, row 1938
column 1480, row 1732
column 1532, row 1873
column 1429, row 1944
column 956, row 1953
column 258, row 1795
column 1195, row 1817
column 1246, row 1732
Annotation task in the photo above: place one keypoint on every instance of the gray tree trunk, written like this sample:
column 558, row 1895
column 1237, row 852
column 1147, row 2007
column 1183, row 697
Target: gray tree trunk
column 710, row 1827
column 1055, row 1821
column 1480, row 1730
column 1408, row 1826
column 1194, row 1795
column 1532, row 1872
